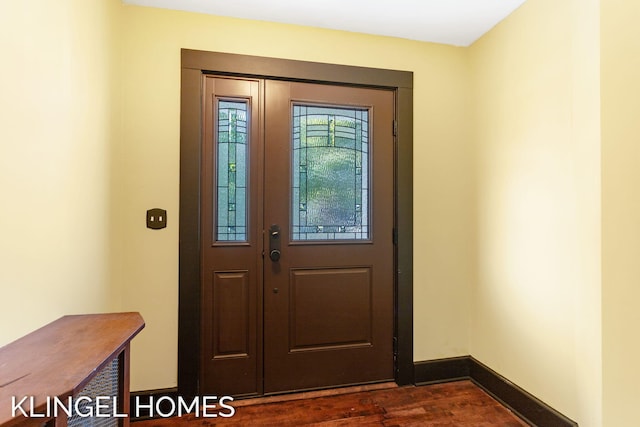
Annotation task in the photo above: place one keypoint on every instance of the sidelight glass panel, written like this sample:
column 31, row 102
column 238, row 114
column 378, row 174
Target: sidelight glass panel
column 232, row 155
column 330, row 182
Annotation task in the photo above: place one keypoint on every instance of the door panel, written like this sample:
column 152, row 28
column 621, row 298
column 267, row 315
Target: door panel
column 328, row 304
column 231, row 305
column 330, row 308
column 231, row 238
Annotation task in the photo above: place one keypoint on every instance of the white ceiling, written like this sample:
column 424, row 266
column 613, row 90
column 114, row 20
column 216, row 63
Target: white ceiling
column 454, row 22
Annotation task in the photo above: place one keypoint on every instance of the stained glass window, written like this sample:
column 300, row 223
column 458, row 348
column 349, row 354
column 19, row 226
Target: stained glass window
column 232, row 154
column 330, row 173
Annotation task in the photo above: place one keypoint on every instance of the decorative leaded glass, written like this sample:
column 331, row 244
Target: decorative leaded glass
column 232, row 155
column 330, row 173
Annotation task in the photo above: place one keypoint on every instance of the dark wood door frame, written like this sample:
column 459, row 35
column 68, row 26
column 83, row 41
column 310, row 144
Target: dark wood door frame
column 194, row 64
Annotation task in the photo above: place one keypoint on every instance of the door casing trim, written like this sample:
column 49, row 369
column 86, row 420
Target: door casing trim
column 194, row 64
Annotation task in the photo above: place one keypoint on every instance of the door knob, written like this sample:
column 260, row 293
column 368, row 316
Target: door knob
column 274, row 255
column 274, row 243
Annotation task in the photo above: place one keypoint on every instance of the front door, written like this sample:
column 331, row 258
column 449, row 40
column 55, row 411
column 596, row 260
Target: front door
column 297, row 236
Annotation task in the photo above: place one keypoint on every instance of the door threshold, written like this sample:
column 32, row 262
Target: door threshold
column 290, row 396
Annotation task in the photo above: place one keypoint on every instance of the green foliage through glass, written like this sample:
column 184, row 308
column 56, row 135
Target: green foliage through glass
column 231, row 155
column 330, row 173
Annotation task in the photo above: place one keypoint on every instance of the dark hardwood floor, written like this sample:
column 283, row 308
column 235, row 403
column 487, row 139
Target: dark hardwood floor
column 459, row 403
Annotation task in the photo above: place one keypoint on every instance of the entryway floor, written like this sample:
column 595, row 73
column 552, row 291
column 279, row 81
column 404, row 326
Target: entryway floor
column 460, row 403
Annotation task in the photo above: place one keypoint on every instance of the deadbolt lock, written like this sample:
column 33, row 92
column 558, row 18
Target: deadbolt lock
column 274, row 243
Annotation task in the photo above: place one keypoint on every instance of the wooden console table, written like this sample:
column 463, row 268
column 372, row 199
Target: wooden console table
column 75, row 356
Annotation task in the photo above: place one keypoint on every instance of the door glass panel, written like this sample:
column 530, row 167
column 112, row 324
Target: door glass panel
column 330, row 182
column 231, row 154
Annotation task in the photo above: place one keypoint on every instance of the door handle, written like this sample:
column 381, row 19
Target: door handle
column 274, row 243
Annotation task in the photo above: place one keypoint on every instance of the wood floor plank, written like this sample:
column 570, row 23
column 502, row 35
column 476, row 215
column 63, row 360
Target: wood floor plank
column 459, row 403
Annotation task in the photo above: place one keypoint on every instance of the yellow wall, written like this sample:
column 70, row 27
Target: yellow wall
column 56, row 110
column 536, row 304
column 147, row 174
column 620, row 211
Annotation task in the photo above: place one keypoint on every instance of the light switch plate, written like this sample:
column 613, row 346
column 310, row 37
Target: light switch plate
column 156, row 218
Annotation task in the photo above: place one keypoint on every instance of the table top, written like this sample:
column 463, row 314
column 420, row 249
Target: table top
column 59, row 359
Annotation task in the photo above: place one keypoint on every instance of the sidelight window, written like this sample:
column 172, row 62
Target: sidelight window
column 232, row 156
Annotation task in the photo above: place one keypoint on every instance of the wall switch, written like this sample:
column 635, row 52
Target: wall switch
column 156, row 218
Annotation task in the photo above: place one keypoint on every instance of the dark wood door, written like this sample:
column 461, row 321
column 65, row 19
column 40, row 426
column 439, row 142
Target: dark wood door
column 297, row 225
column 328, row 299
column 231, row 238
